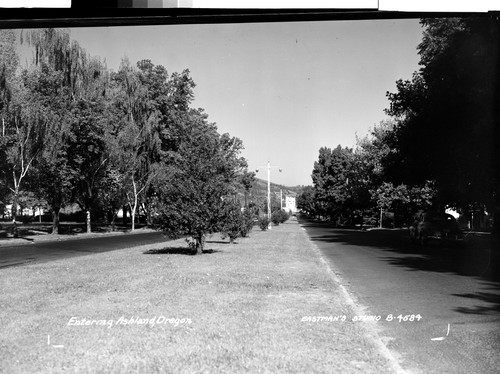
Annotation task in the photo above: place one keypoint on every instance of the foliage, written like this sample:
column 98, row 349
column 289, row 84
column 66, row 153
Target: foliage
column 48, row 99
column 72, row 131
column 237, row 223
column 247, row 181
column 279, row 216
column 446, row 115
column 332, row 176
column 351, row 186
column 402, row 201
column 233, row 222
column 246, row 223
column 263, row 223
column 139, row 101
column 89, row 155
column 276, row 218
column 439, row 148
column 194, row 197
column 306, row 201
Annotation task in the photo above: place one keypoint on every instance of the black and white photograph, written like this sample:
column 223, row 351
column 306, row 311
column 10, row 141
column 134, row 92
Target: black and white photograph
column 225, row 190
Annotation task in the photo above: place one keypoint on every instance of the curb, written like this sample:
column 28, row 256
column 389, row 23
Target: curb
column 372, row 332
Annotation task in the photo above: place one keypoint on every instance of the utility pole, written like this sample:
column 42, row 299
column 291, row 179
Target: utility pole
column 268, row 191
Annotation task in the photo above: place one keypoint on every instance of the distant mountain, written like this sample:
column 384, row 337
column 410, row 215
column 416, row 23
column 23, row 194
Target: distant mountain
column 259, row 188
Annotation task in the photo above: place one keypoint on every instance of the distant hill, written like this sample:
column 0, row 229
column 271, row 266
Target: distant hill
column 260, row 188
column 258, row 192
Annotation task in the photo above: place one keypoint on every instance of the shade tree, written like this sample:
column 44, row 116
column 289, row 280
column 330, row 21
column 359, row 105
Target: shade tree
column 196, row 194
column 446, row 114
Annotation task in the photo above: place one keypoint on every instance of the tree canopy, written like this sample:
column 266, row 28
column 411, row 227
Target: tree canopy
column 440, row 147
column 75, row 132
column 447, row 117
column 194, row 197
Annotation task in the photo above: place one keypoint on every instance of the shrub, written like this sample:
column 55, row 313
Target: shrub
column 284, row 216
column 234, row 221
column 263, row 223
column 246, row 223
column 279, row 216
column 276, row 217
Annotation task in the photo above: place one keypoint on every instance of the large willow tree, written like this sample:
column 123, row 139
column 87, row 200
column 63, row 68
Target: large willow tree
column 63, row 71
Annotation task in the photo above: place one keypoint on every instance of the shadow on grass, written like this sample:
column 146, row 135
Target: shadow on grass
column 177, row 251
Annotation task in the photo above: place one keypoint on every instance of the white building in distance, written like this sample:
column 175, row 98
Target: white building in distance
column 290, row 204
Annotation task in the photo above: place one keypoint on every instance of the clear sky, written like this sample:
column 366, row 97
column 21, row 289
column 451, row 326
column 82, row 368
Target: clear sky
column 284, row 89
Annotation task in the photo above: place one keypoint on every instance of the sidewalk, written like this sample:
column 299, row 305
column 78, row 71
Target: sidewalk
column 266, row 304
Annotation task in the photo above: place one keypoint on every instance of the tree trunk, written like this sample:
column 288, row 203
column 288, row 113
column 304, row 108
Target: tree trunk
column 132, row 209
column 113, row 220
column 200, row 243
column 89, row 230
column 15, row 233
column 146, row 213
column 55, row 221
column 124, row 218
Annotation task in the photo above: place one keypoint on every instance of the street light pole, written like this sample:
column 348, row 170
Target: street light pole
column 268, row 192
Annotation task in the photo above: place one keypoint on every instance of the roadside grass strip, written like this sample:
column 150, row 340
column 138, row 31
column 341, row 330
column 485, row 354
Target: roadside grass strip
column 265, row 304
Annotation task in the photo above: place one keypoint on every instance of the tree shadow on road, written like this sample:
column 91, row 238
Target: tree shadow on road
column 177, row 251
column 492, row 297
column 475, row 257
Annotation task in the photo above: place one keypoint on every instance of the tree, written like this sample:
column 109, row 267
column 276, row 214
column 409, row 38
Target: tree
column 48, row 99
column 148, row 110
column 62, row 77
column 194, row 196
column 378, row 153
column 233, row 222
column 14, row 146
column 247, row 180
column 23, row 142
column 129, row 154
column 8, row 65
column 331, row 176
column 306, row 201
column 447, row 116
column 89, row 155
column 392, row 198
column 403, row 201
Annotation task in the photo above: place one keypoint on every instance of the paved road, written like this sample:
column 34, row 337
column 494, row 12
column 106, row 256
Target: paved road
column 452, row 289
column 51, row 250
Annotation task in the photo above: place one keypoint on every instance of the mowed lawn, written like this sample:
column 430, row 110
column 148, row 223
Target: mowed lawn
column 236, row 308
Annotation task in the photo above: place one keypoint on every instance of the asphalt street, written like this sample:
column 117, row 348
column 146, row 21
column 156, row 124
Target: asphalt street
column 52, row 250
column 450, row 291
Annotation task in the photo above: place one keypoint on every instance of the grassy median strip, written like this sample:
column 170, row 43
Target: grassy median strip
column 245, row 307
